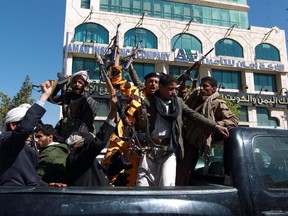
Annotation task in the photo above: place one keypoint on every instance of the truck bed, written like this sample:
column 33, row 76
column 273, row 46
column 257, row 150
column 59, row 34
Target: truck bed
column 192, row 200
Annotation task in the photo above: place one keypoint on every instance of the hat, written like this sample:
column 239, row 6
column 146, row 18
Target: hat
column 153, row 74
column 15, row 115
column 84, row 75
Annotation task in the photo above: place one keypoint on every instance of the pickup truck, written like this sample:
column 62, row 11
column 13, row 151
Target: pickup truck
column 248, row 175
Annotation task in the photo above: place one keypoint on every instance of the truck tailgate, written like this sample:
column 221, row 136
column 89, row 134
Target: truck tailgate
column 194, row 200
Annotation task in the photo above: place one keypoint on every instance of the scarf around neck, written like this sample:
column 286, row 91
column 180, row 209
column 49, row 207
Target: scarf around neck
column 171, row 117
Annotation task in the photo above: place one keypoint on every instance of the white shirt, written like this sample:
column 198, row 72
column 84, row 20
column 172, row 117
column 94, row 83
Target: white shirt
column 162, row 127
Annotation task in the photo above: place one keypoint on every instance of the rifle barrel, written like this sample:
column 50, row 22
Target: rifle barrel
column 195, row 64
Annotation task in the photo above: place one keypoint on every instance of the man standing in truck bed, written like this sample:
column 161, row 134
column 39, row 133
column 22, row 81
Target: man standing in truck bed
column 158, row 166
column 122, row 162
column 79, row 109
column 208, row 102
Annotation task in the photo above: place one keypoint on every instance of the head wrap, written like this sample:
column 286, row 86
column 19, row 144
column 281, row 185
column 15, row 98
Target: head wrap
column 83, row 74
column 77, row 137
column 15, row 115
column 74, row 138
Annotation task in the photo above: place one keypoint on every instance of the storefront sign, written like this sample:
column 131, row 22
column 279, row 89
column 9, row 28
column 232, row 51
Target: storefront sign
column 186, row 55
column 180, row 55
column 101, row 50
column 257, row 100
column 98, row 90
column 243, row 64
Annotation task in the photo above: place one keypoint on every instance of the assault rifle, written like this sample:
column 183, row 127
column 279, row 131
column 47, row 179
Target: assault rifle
column 192, row 67
column 60, row 81
column 103, row 74
column 132, row 55
column 114, row 48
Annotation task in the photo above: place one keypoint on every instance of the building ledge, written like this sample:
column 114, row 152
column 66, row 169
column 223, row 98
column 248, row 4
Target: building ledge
column 218, row 4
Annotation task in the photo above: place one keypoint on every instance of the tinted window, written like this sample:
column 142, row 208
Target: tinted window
column 271, row 161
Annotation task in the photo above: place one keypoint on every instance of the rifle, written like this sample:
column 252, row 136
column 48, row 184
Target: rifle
column 192, row 67
column 113, row 48
column 103, row 74
column 60, row 81
column 132, row 55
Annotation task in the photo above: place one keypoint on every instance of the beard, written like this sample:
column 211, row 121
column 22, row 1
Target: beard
column 77, row 90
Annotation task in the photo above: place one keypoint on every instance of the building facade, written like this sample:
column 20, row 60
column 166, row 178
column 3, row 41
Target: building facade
column 249, row 62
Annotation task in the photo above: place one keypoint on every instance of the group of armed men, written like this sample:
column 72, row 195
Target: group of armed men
column 155, row 139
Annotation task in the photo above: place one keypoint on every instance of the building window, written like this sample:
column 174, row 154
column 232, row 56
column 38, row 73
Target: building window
column 228, row 47
column 92, row 33
column 264, row 119
column 86, row 64
column 143, row 69
column 244, row 114
column 85, row 4
column 179, row 11
column 133, row 36
column 265, row 81
column 186, row 41
column 230, row 79
column 236, row 1
column 266, row 51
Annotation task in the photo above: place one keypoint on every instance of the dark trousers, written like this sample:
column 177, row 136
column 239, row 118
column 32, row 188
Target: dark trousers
column 186, row 166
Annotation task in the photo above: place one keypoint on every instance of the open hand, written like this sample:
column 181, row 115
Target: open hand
column 223, row 130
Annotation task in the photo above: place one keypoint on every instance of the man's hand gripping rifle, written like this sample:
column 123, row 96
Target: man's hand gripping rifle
column 114, row 59
column 104, row 75
column 132, row 56
column 114, row 49
column 181, row 79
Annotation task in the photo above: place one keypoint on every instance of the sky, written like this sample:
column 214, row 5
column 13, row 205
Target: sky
column 32, row 32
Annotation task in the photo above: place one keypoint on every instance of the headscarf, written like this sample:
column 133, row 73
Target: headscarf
column 15, row 115
column 83, row 74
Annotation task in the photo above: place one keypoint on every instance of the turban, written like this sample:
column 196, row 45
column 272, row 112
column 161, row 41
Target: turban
column 15, row 115
column 83, row 74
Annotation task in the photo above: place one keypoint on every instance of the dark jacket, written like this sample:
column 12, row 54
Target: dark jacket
column 18, row 160
column 79, row 112
column 184, row 111
column 82, row 167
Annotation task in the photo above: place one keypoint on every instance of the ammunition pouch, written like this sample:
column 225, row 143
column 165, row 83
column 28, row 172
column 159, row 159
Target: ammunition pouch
column 164, row 144
column 160, row 150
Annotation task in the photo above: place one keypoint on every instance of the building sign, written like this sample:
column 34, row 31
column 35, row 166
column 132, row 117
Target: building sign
column 180, row 55
column 98, row 90
column 257, row 100
column 101, row 50
column 186, row 55
column 229, row 62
